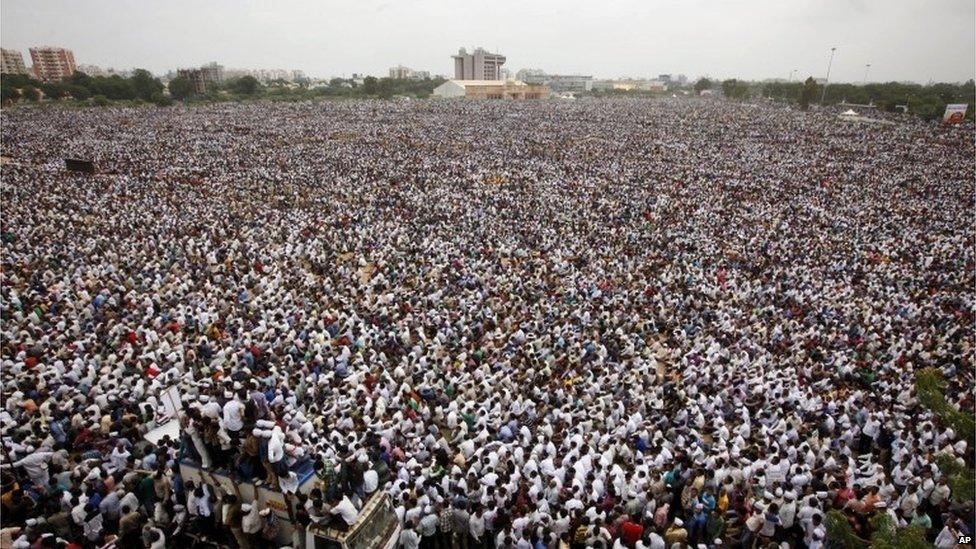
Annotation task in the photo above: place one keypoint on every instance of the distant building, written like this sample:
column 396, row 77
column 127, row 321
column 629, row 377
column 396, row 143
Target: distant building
column 52, row 64
column 527, row 75
column 200, row 79
column 491, row 89
column 195, row 76
column 569, row 83
column 213, row 72
column 630, row 84
column 400, row 72
column 478, row 65
column 12, row 62
column 557, row 82
column 267, row 76
column 206, row 78
column 94, row 70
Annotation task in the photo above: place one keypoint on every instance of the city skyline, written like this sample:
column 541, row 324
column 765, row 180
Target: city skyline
column 604, row 42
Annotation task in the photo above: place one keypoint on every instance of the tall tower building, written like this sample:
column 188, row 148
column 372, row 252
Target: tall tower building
column 12, row 62
column 52, row 64
column 478, row 65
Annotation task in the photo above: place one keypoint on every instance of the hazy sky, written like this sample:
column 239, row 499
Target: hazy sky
column 755, row 39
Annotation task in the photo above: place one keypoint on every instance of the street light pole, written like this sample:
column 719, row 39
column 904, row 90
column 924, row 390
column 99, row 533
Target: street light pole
column 792, row 72
column 823, row 95
column 866, row 68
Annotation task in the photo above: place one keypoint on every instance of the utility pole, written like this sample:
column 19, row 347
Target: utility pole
column 866, row 68
column 823, row 95
column 792, row 72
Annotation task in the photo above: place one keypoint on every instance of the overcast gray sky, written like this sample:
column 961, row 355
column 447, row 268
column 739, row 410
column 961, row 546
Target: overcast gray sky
column 755, row 39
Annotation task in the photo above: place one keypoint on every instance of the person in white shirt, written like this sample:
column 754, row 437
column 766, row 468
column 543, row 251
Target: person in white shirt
column 816, row 533
column 409, row 538
column 343, row 508
column 371, row 481
column 233, row 415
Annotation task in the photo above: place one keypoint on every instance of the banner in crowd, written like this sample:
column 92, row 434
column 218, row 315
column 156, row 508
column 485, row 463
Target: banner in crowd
column 955, row 113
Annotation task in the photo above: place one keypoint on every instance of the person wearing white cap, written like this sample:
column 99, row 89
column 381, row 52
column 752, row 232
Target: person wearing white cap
column 252, row 523
column 676, row 533
column 233, row 413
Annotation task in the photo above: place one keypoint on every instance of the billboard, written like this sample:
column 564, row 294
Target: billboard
column 955, row 113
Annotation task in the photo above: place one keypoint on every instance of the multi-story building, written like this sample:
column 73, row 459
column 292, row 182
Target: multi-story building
column 95, row 70
column 206, row 78
column 12, row 62
column 52, row 64
column 557, row 82
column 490, row 89
column 92, row 70
column 213, row 72
column 478, row 65
column 531, row 76
column 630, row 84
column 570, row 83
column 195, row 77
column 400, row 72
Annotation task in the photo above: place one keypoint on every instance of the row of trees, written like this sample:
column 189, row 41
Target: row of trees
column 141, row 85
column 926, row 101
column 249, row 87
column 181, row 88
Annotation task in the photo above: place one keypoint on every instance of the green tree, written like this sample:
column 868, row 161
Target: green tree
column 17, row 80
column 113, row 87
column 77, row 91
column 883, row 534
column 53, row 90
column 930, row 388
column 100, row 101
column 145, row 84
column 809, row 93
column 180, row 88
column 80, row 79
column 245, row 85
column 8, row 94
column 735, row 89
column 702, row 85
column 370, row 85
column 32, row 93
column 161, row 100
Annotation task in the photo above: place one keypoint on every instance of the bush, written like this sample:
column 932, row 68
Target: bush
column 77, row 91
column 32, row 93
column 8, row 94
column 100, row 101
column 161, row 100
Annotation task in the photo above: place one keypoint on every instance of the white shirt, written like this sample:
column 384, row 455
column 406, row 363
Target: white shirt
column 233, row 415
column 347, row 511
column 371, row 481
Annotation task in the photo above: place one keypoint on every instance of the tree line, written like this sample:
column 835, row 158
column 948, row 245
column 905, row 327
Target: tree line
column 926, row 101
column 143, row 86
column 140, row 85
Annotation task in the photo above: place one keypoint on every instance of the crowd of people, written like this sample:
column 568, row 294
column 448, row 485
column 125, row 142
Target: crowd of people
column 601, row 323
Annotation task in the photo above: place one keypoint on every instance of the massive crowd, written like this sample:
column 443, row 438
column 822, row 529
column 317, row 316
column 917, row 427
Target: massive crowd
column 601, row 323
